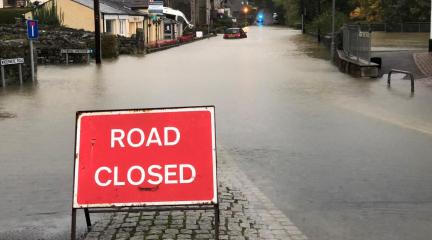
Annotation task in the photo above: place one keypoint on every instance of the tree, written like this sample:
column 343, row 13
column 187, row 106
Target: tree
column 398, row 11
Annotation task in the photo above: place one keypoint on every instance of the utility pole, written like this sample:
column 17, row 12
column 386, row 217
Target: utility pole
column 430, row 38
column 302, row 17
column 332, row 54
column 97, row 32
column 193, row 16
column 319, row 29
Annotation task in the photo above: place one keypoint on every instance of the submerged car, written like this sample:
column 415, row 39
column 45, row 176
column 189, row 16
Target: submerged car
column 231, row 33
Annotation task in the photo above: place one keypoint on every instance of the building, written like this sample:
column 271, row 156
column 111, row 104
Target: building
column 115, row 18
column 12, row 3
column 121, row 17
column 198, row 11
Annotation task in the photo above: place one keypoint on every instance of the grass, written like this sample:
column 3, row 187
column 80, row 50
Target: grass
column 406, row 40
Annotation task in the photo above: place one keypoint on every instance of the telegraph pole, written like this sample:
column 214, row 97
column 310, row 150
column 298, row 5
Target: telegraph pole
column 97, row 32
column 303, row 17
column 430, row 38
column 333, row 30
column 319, row 29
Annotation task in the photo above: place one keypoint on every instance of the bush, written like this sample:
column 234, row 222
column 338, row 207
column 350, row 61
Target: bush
column 47, row 14
column 324, row 22
column 110, row 46
column 8, row 15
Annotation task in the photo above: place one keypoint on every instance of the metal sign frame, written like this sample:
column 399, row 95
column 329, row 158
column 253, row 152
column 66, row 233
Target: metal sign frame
column 76, row 51
column 146, row 206
column 7, row 62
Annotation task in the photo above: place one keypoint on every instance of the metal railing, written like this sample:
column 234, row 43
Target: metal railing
column 403, row 72
column 396, row 27
column 356, row 43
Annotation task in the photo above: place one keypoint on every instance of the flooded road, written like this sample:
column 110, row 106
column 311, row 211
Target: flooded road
column 344, row 158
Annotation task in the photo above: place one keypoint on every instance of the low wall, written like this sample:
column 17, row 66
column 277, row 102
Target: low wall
column 53, row 39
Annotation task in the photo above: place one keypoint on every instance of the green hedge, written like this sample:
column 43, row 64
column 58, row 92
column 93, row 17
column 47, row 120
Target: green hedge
column 8, row 15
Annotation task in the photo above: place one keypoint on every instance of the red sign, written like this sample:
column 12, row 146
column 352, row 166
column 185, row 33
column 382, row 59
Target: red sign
column 145, row 157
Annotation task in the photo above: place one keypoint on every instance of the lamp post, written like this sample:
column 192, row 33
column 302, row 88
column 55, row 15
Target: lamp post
column 245, row 11
column 333, row 30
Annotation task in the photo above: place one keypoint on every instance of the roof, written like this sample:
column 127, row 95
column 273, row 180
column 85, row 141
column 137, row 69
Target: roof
column 134, row 4
column 110, row 7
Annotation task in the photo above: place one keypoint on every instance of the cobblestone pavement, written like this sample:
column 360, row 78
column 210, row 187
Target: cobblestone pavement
column 245, row 214
column 424, row 63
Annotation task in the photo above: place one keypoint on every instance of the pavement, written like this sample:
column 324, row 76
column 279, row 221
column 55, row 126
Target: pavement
column 424, row 62
column 402, row 60
column 245, row 214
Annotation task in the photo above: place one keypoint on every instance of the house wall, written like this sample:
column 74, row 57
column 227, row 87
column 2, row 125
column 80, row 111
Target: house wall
column 123, row 25
column 75, row 15
column 153, row 31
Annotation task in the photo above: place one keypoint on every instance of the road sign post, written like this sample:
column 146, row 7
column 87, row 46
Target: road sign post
column 32, row 34
column 145, row 159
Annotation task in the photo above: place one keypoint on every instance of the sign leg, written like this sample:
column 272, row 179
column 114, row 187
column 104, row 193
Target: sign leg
column 67, row 58
column 217, row 221
column 20, row 74
column 73, row 225
column 3, row 76
column 32, row 61
column 87, row 217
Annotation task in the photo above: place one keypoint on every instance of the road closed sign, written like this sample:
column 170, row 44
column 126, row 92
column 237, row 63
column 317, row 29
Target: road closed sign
column 145, row 157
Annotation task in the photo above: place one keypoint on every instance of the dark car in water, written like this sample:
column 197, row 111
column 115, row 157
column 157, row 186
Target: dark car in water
column 231, row 33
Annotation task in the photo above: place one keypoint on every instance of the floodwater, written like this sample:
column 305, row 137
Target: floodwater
column 343, row 158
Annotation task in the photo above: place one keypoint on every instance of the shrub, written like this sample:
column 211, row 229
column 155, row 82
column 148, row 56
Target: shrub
column 8, row 15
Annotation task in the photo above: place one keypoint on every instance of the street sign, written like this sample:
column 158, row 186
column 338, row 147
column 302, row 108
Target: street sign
column 32, row 29
column 145, row 157
column 77, row 51
column 155, row 7
column 364, row 34
column 11, row 61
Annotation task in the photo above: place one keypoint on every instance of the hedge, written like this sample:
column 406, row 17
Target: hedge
column 8, row 15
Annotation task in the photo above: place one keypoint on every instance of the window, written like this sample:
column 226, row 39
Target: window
column 109, row 26
column 122, row 27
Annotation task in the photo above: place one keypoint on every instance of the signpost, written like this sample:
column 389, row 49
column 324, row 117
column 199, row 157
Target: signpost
column 32, row 34
column 12, row 61
column 144, row 159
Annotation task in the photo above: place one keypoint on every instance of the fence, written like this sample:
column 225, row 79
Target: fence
column 396, row 27
column 356, row 43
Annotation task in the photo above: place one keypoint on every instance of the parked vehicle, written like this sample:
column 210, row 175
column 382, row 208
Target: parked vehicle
column 231, row 33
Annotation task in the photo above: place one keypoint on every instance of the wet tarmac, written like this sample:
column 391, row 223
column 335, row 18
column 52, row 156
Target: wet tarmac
column 344, row 158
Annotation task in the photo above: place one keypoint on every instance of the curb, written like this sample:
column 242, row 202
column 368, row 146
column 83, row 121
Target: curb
column 152, row 50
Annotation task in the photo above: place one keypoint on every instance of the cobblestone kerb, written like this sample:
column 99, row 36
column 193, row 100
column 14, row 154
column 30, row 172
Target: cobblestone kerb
column 245, row 214
column 424, row 63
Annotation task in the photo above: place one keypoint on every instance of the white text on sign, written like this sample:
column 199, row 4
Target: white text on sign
column 171, row 137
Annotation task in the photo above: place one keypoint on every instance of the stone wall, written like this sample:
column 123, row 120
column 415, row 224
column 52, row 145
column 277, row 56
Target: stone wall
column 53, row 39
